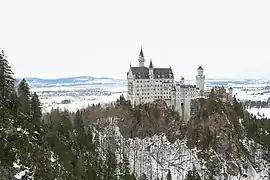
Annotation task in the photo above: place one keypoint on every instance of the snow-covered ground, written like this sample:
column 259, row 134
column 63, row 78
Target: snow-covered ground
column 262, row 112
column 76, row 103
column 79, row 95
column 87, row 94
column 254, row 95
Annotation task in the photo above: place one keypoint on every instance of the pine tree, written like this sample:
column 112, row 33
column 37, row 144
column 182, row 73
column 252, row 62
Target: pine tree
column 36, row 110
column 8, row 112
column 169, row 176
column 143, row 177
column 24, row 96
column 193, row 174
column 81, row 138
column 97, row 161
column 124, row 169
column 132, row 177
column 7, row 88
column 8, row 104
column 111, row 166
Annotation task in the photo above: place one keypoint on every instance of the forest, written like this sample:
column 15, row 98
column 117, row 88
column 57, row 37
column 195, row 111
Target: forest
column 66, row 145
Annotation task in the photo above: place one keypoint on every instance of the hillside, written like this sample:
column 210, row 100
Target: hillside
column 221, row 140
column 150, row 141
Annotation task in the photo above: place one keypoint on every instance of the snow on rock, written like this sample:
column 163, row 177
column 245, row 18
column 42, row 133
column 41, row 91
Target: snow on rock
column 155, row 155
column 20, row 174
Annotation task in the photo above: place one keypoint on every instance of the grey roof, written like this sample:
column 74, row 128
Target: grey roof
column 159, row 73
column 186, row 85
column 141, row 52
column 151, row 64
column 140, row 72
column 200, row 68
column 163, row 73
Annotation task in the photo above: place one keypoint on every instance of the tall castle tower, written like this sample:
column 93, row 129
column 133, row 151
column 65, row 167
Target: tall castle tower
column 141, row 59
column 200, row 79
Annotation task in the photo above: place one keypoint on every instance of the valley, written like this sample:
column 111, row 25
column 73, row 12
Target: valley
column 77, row 92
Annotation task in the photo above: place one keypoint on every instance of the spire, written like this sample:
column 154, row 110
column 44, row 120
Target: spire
column 151, row 64
column 200, row 68
column 141, row 59
column 141, row 52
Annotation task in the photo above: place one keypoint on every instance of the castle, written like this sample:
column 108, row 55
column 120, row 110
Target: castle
column 147, row 84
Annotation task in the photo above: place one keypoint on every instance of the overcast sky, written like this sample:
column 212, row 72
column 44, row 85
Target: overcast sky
column 54, row 38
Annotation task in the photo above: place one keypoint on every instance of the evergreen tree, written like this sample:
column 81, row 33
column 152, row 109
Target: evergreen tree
column 7, row 88
column 97, row 161
column 24, row 96
column 193, row 174
column 8, row 103
column 8, row 112
column 169, row 176
column 36, row 110
column 124, row 169
column 111, row 166
column 80, row 131
column 143, row 177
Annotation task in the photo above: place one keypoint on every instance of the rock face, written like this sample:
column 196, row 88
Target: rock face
column 214, row 143
column 155, row 155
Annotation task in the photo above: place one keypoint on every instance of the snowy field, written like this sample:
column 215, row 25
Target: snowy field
column 254, row 94
column 76, row 103
column 78, row 96
column 260, row 112
column 83, row 95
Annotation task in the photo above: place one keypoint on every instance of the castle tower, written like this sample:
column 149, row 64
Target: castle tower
column 200, row 79
column 151, row 79
column 230, row 94
column 151, row 69
column 141, row 59
column 182, row 82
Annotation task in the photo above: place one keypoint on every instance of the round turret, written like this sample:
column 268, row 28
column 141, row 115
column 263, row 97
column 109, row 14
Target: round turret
column 200, row 78
column 200, row 70
column 182, row 82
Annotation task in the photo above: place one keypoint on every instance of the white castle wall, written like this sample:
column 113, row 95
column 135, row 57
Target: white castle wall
column 174, row 94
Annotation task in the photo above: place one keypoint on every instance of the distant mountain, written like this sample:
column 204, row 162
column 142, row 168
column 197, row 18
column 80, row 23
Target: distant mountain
column 88, row 80
column 224, row 82
column 69, row 81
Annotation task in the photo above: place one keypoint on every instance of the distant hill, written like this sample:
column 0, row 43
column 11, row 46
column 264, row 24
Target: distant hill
column 86, row 80
column 69, row 81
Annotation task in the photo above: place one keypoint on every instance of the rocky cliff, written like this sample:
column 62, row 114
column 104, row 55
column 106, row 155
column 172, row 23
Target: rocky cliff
column 214, row 142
